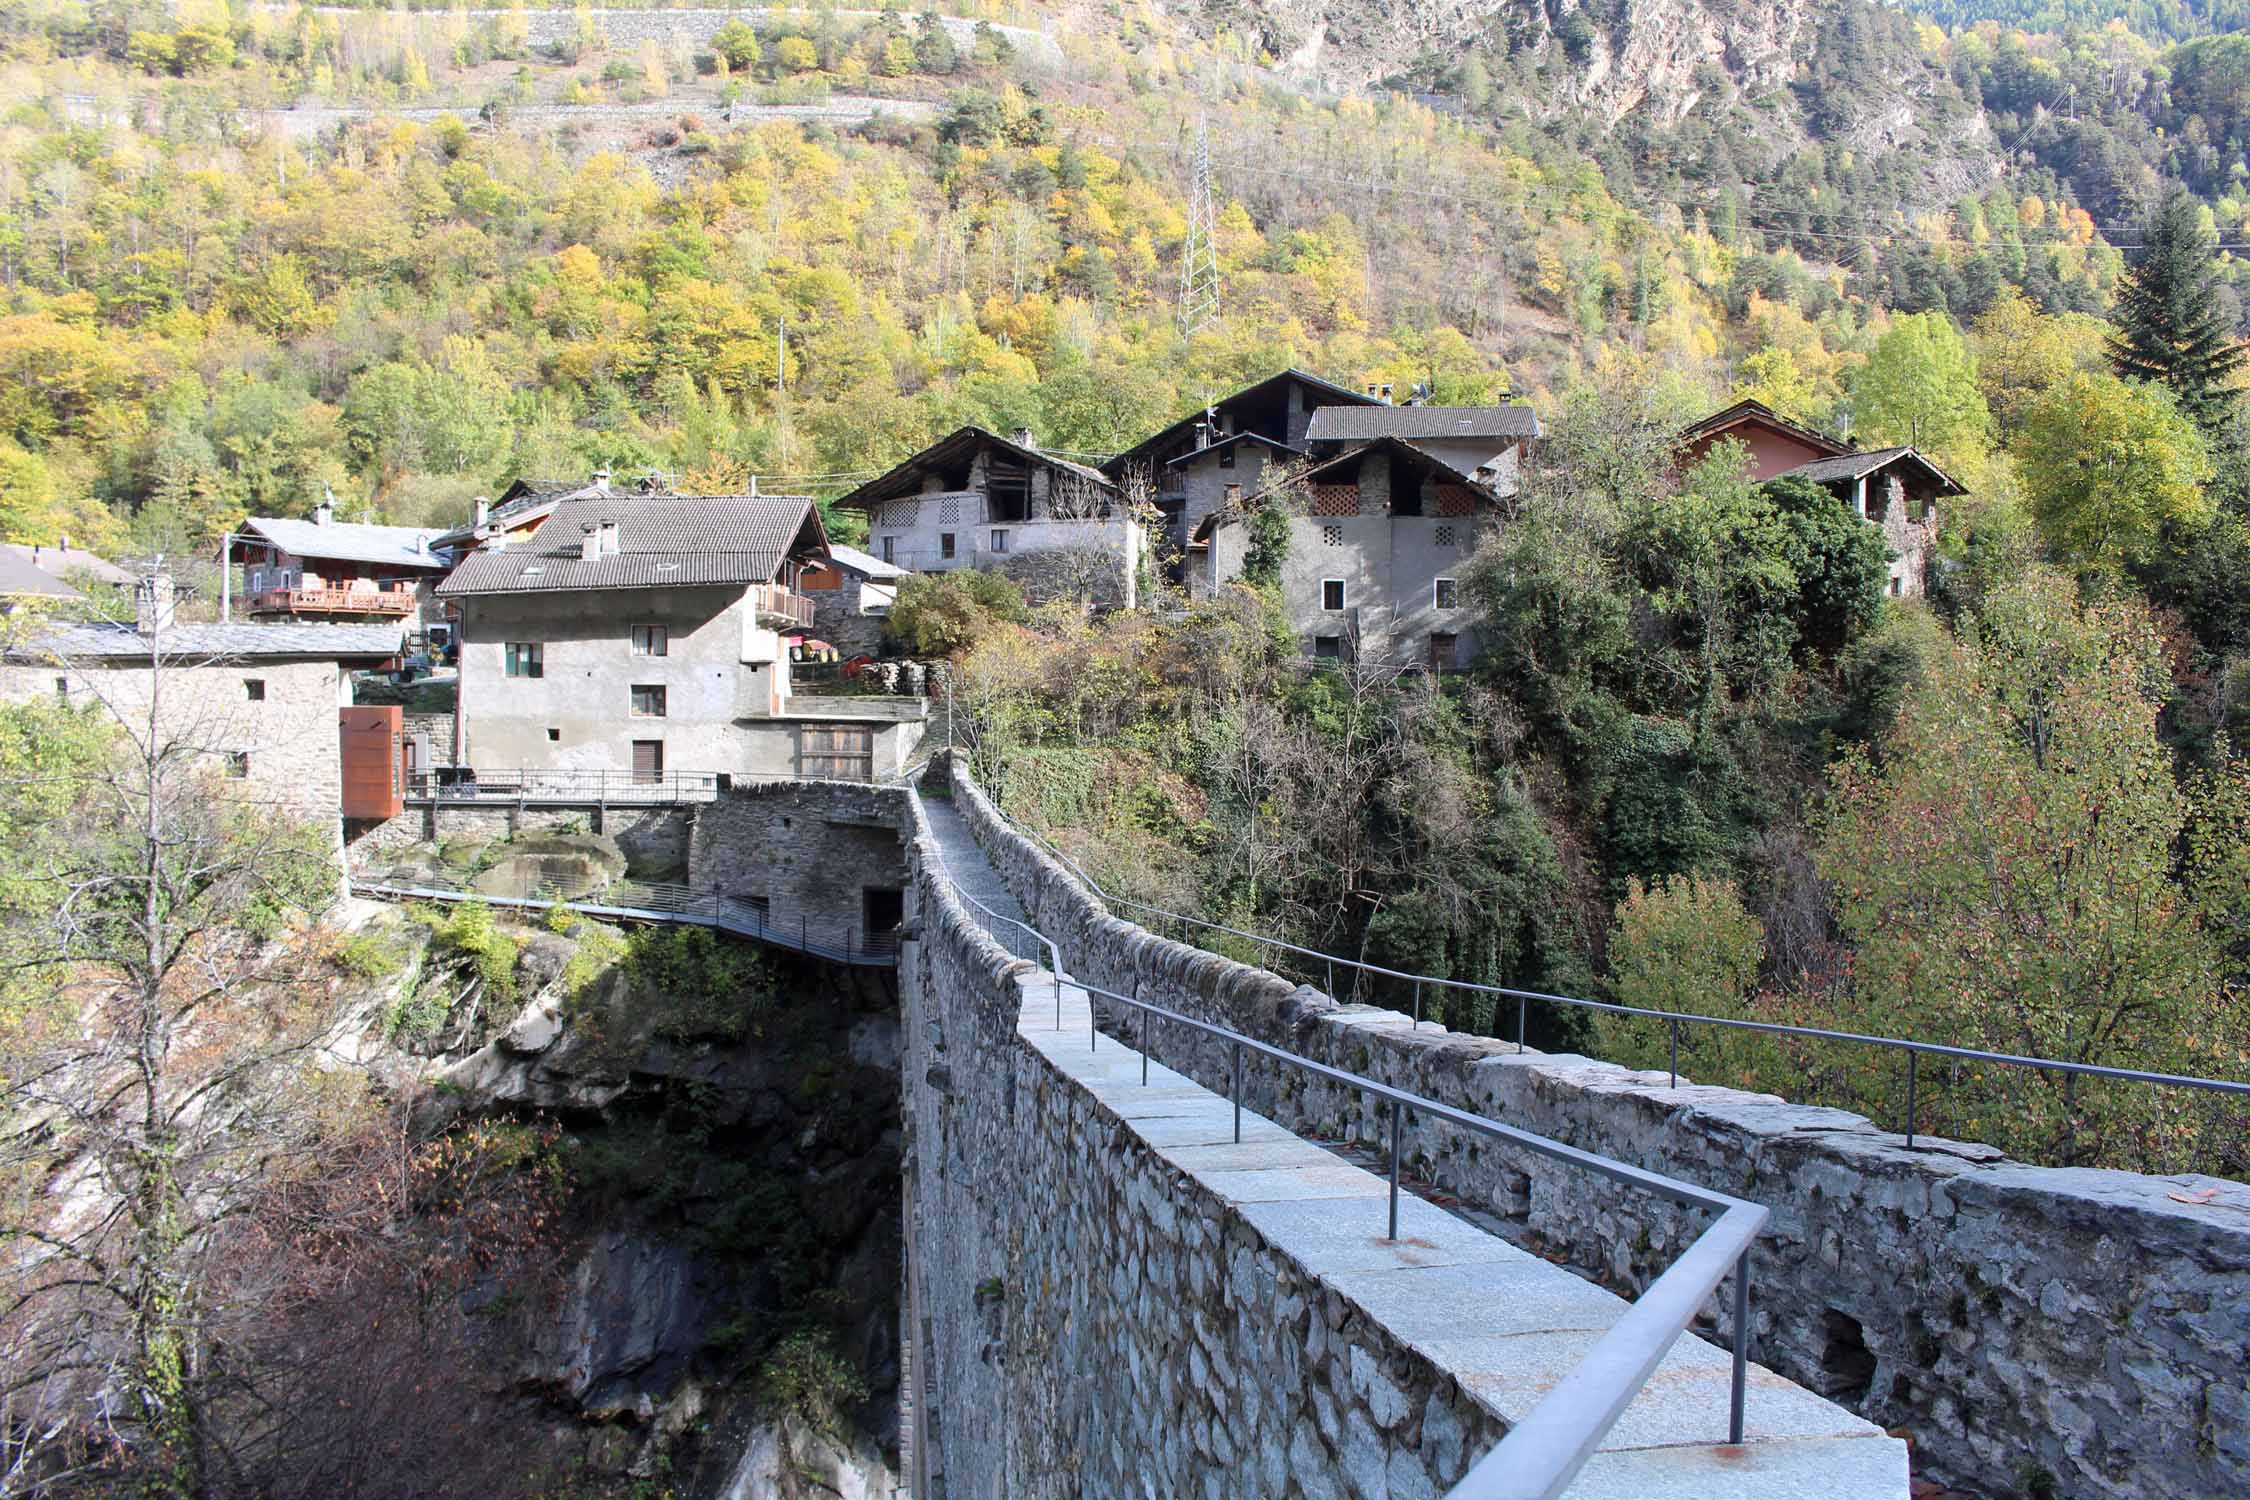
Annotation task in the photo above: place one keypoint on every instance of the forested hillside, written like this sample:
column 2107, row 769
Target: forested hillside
column 255, row 252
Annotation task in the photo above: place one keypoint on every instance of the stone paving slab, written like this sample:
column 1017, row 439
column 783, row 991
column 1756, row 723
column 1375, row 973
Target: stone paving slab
column 1328, row 1243
column 1819, row 1469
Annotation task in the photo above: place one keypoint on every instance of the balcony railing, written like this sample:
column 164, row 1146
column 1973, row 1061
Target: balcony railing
column 776, row 605
column 326, row 601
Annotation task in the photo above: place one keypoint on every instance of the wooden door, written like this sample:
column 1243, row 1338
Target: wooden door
column 836, row 752
column 648, row 760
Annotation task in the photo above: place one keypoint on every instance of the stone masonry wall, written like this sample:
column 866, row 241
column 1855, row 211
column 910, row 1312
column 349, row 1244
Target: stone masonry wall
column 812, row 851
column 1095, row 1321
column 655, row 839
column 2065, row 1332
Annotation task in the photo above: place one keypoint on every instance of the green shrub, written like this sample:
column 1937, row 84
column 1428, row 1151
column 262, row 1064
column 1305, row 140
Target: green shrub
column 367, row 955
column 806, row 1377
column 698, row 984
column 938, row 614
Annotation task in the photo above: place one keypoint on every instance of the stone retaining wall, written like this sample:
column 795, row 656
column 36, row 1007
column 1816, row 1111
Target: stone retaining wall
column 2040, row 1331
column 811, row 850
column 655, row 839
column 1098, row 1322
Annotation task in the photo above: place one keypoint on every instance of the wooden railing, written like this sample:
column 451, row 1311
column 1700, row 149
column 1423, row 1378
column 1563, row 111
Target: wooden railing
column 334, row 601
column 771, row 600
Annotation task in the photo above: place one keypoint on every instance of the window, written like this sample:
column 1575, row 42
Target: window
column 651, row 640
column 999, row 541
column 238, row 763
column 945, row 544
column 1332, row 593
column 254, row 689
column 526, row 659
column 1332, row 536
column 890, row 549
column 1328, row 647
column 62, row 686
column 648, row 700
column 1898, row 588
column 1226, row 456
column 1443, row 536
column 1448, row 594
column 554, row 736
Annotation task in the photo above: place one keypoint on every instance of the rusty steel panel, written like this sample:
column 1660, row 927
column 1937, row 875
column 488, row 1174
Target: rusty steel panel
column 374, row 760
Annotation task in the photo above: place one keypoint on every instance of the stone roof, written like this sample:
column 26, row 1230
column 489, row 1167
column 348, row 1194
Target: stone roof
column 1356, row 424
column 1852, row 466
column 664, row 541
column 1230, row 440
column 864, row 562
column 57, row 562
column 957, row 448
column 115, row 639
column 1343, row 395
column 346, row 541
column 20, row 579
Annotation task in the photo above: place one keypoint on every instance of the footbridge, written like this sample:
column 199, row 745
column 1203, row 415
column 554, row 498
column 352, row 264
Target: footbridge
column 1254, row 1306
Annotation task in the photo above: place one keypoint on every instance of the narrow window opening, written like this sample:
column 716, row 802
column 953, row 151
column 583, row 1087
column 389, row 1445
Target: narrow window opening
column 254, row 689
column 1332, row 593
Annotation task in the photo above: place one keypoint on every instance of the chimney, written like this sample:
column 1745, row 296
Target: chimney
column 589, row 544
column 601, row 476
column 483, row 511
column 1234, row 496
column 63, row 543
column 609, row 538
column 152, row 601
column 1385, row 392
column 1202, row 436
column 1023, row 439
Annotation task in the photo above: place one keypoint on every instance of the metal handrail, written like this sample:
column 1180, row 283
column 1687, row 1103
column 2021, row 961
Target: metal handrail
column 659, row 901
column 1674, row 1020
column 1540, row 1455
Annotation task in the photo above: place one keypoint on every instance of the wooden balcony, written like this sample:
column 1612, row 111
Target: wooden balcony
column 325, row 601
column 779, row 609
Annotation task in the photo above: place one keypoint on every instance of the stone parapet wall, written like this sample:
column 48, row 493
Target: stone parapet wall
column 1097, row 1321
column 2073, row 1332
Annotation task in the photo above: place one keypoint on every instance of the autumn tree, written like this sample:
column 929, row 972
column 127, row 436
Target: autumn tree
column 2010, row 877
column 2108, row 464
column 160, row 1015
column 1919, row 388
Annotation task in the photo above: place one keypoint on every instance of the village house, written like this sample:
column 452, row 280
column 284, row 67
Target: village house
column 852, row 594
column 258, row 703
column 73, row 567
column 647, row 634
column 975, row 499
column 1895, row 488
column 1378, row 535
column 326, row 569
column 525, row 505
column 1189, row 468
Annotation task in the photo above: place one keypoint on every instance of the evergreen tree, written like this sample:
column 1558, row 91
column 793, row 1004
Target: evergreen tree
column 2171, row 325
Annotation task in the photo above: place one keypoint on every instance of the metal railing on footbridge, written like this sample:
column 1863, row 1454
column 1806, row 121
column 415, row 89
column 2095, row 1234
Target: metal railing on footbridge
column 655, row 901
column 1674, row 1022
column 1540, row 1455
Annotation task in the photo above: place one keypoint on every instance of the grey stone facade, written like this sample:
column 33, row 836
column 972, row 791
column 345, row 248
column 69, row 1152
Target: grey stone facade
column 287, row 737
column 2067, row 1331
column 1389, row 568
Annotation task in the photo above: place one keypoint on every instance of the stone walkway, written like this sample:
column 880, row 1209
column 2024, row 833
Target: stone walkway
column 1504, row 1322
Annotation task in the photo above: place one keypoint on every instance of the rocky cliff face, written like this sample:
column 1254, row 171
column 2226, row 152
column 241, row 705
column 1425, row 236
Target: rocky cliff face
column 736, row 1205
column 1666, row 56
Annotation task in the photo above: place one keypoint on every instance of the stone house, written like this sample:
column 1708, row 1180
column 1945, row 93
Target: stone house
column 1188, row 469
column 975, row 499
column 646, row 634
column 259, row 702
column 1896, row 488
column 852, row 594
column 326, row 569
column 1378, row 536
